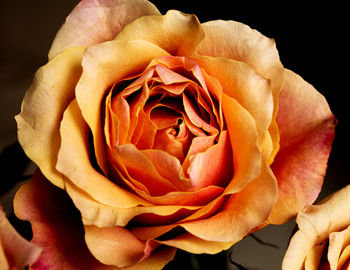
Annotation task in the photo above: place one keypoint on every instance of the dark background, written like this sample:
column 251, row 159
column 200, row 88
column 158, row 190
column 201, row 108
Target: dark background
column 311, row 39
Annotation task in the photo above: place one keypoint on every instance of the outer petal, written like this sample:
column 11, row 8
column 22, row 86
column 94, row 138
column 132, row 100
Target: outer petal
column 238, row 41
column 15, row 251
column 56, row 226
column 42, row 109
column 109, row 62
column 315, row 224
column 306, row 127
column 242, row 213
column 177, row 33
column 95, row 21
column 74, row 162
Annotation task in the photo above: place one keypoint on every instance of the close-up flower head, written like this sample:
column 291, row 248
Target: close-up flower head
column 155, row 132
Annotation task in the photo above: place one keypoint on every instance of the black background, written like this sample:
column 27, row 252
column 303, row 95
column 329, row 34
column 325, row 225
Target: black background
column 311, row 39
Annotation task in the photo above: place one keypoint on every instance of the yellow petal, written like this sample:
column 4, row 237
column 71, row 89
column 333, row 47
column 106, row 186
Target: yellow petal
column 93, row 21
column 103, row 65
column 238, row 41
column 177, row 33
column 74, row 162
column 42, row 109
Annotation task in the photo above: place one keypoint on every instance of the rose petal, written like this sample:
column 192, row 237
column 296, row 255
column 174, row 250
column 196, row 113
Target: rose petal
column 196, row 245
column 110, row 62
column 306, row 127
column 238, row 41
column 74, row 162
column 241, row 214
column 42, row 109
column 15, row 251
column 219, row 156
column 315, row 224
column 247, row 160
column 95, row 21
column 175, row 32
column 114, row 245
column 56, row 225
column 252, row 91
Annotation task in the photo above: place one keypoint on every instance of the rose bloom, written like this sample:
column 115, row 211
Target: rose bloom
column 15, row 251
column 323, row 238
column 165, row 133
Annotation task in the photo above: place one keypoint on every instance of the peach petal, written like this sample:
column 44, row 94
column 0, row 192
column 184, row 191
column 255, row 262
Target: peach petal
column 15, row 251
column 121, row 111
column 142, row 169
column 242, row 83
column 241, row 214
column 219, row 156
column 115, row 245
column 168, row 166
column 238, row 41
column 315, row 223
column 109, row 62
column 74, row 163
column 247, row 160
column 313, row 258
column 306, row 127
column 95, row 213
column 42, row 109
column 196, row 245
column 164, row 118
column 96, row 21
column 56, row 225
column 175, row 32
column 166, row 142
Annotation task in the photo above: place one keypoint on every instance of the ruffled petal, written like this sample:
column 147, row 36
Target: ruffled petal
column 177, row 33
column 42, row 109
column 109, row 62
column 306, row 127
column 96, row 21
column 15, row 251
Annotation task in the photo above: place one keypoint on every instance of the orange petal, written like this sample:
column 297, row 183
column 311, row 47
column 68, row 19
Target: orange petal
column 196, row 245
column 15, row 251
column 96, row 21
column 115, row 246
column 42, row 109
column 247, row 160
column 306, row 127
column 109, row 62
column 220, row 171
column 238, row 41
column 175, row 32
column 252, row 91
column 74, row 162
column 241, row 214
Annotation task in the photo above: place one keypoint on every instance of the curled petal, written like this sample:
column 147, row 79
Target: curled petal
column 316, row 222
column 96, row 21
column 74, row 163
column 15, row 251
column 42, row 109
column 306, row 127
column 175, row 32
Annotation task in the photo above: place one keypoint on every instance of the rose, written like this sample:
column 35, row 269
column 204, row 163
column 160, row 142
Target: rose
column 15, row 251
column 323, row 228
column 166, row 132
